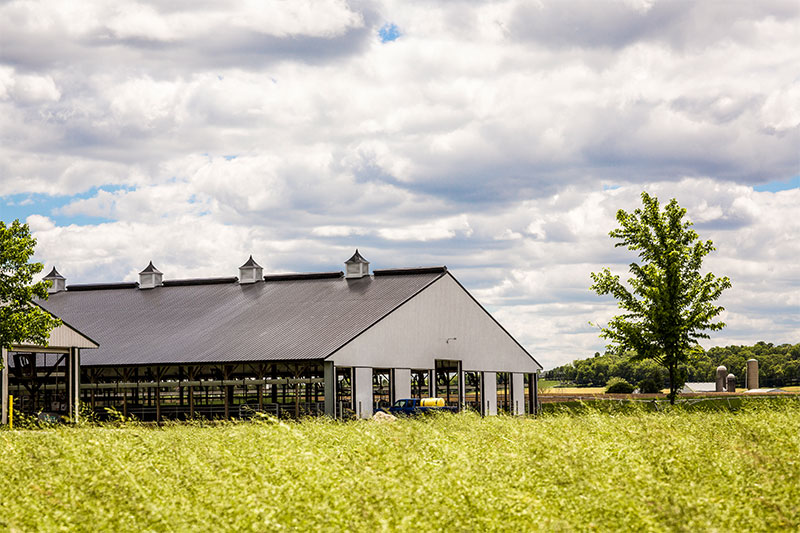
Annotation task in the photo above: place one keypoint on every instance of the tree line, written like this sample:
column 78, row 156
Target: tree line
column 778, row 366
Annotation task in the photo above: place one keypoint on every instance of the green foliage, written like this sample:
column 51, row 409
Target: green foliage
column 649, row 386
column 618, row 386
column 20, row 319
column 670, row 304
column 682, row 471
column 778, row 366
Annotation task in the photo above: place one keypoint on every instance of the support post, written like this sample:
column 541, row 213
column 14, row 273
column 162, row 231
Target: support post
column 481, row 394
column 72, row 368
column 273, row 389
column 192, row 371
column 4, row 385
column 535, row 406
column 329, row 378
column 517, row 393
column 76, row 389
column 461, row 393
column 158, row 395
column 402, row 384
column 261, row 374
column 126, row 375
column 363, row 392
column 432, row 383
column 490, row 398
column 226, row 376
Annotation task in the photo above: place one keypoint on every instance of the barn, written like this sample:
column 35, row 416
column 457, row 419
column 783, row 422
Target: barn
column 342, row 344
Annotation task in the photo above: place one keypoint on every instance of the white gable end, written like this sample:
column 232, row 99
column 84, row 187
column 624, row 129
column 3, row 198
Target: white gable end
column 63, row 337
column 440, row 322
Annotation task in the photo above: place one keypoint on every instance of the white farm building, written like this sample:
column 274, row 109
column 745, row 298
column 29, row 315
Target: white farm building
column 336, row 343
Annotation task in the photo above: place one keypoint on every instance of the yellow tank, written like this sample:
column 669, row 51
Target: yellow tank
column 431, row 402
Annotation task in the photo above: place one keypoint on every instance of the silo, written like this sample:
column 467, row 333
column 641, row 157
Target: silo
column 752, row 374
column 721, row 373
column 731, row 383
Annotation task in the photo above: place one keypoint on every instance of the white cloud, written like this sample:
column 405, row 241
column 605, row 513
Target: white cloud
column 446, row 228
column 482, row 138
column 26, row 89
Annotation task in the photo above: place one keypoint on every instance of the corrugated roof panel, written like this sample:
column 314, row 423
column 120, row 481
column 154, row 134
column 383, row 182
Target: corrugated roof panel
column 296, row 319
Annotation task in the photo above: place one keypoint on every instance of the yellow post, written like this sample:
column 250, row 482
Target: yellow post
column 10, row 411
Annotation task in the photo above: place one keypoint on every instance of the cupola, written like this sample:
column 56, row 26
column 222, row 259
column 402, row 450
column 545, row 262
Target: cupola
column 250, row 272
column 356, row 267
column 150, row 277
column 59, row 282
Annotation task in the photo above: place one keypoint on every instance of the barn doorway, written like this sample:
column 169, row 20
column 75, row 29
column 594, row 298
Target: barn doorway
column 381, row 389
column 504, row 393
column 448, row 382
column 472, row 391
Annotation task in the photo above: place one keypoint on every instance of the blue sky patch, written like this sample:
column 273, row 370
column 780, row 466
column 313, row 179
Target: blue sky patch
column 21, row 206
column 775, row 186
column 389, row 32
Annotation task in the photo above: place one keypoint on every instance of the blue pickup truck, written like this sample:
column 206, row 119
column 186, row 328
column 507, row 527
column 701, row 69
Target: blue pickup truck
column 419, row 406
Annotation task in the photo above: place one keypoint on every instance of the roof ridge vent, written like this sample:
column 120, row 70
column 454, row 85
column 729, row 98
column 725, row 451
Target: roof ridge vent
column 356, row 267
column 59, row 282
column 150, row 277
column 250, row 272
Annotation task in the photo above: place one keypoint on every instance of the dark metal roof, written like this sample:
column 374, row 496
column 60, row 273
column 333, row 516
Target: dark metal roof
column 299, row 276
column 250, row 263
column 199, row 281
column 102, row 286
column 294, row 319
column 54, row 275
column 410, row 271
column 357, row 258
column 150, row 269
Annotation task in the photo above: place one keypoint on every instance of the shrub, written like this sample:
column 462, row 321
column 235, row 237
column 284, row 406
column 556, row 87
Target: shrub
column 649, row 385
column 618, row 386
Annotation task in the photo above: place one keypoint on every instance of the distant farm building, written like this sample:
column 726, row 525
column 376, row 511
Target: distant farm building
column 689, row 388
column 334, row 343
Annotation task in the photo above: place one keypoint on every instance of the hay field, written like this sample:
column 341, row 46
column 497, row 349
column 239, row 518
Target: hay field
column 573, row 390
column 625, row 471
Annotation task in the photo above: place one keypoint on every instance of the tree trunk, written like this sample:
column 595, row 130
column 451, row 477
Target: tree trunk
column 672, row 388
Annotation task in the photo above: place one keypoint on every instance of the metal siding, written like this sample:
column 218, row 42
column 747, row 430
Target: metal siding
column 402, row 383
column 363, row 395
column 518, row 393
column 329, row 373
column 490, row 393
column 65, row 337
column 302, row 319
column 442, row 311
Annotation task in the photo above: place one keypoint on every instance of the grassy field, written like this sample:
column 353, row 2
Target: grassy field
column 621, row 471
column 574, row 390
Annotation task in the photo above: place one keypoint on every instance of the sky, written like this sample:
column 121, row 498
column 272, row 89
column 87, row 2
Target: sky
column 497, row 138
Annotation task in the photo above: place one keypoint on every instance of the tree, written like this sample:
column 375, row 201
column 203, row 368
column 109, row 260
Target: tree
column 21, row 320
column 668, row 304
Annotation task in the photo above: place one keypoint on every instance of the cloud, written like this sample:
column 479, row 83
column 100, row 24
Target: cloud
column 497, row 138
column 616, row 24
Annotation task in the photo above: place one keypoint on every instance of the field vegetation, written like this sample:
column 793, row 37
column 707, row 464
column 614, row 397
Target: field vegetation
column 779, row 366
column 621, row 469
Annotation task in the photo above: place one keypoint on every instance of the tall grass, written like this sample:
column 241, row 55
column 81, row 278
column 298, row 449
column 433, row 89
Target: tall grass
column 630, row 471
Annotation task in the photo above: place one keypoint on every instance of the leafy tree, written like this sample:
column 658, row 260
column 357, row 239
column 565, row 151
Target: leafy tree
column 21, row 320
column 670, row 303
column 619, row 386
column 779, row 365
column 649, row 386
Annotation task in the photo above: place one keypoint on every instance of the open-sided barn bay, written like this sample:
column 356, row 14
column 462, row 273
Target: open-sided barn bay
column 675, row 471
